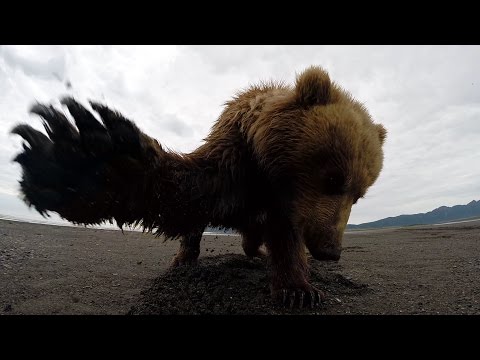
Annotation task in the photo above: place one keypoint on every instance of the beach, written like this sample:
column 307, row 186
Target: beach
column 47, row 270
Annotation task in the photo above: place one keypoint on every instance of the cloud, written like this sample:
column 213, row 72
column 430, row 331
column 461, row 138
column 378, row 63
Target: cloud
column 176, row 125
column 426, row 96
column 43, row 61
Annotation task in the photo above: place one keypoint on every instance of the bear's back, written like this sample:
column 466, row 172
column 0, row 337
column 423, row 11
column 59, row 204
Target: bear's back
column 229, row 136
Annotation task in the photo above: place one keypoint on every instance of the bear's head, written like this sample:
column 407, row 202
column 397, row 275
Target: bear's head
column 322, row 151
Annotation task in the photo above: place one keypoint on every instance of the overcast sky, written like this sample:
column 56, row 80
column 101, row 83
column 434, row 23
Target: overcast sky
column 427, row 97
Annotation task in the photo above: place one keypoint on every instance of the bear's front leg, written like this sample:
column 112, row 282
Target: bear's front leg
column 289, row 282
column 189, row 250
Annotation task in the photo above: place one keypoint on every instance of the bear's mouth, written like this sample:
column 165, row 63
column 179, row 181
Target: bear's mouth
column 326, row 254
column 323, row 245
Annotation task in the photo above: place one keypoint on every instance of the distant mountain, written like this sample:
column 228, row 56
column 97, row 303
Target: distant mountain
column 439, row 215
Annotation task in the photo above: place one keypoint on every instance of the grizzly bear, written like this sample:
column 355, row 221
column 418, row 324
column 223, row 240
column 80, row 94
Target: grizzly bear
column 283, row 165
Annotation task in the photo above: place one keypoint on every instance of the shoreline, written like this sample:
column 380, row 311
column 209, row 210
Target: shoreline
column 47, row 270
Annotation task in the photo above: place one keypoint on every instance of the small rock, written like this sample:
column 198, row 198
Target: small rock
column 139, row 262
column 7, row 308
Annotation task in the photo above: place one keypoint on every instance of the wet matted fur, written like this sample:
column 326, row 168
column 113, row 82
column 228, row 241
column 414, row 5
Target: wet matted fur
column 283, row 165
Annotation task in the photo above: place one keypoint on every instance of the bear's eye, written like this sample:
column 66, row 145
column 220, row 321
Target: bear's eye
column 334, row 184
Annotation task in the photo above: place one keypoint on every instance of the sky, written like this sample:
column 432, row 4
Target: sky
column 427, row 97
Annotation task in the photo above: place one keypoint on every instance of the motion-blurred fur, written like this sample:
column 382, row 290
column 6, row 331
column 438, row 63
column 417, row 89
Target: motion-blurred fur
column 282, row 165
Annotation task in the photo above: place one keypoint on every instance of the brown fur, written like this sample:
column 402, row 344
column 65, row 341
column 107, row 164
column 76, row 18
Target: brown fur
column 282, row 165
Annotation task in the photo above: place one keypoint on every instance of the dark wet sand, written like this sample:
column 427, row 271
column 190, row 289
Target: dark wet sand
column 48, row 269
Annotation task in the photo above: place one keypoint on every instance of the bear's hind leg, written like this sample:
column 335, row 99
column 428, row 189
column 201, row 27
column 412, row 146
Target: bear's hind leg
column 252, row 239
column 189, row 250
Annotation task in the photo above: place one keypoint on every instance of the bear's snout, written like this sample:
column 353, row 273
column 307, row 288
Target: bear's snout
column 326, row 253
column 324, row 244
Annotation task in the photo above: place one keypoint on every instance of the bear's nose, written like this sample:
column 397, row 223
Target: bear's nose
column 326, row 254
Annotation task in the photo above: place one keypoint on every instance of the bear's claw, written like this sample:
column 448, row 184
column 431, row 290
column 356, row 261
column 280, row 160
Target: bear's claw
column 182, row 261
column 292, row 297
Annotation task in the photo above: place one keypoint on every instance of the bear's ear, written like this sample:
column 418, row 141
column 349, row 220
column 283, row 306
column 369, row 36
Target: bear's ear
column 313, row 87
column 382, row 133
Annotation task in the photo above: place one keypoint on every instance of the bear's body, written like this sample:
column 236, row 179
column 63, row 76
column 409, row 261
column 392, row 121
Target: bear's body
column 282, row 165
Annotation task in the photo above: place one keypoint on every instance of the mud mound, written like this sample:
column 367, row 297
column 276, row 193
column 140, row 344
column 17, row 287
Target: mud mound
column 233, row 284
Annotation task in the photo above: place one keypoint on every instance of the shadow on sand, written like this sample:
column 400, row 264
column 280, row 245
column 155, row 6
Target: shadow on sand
column 234, row 284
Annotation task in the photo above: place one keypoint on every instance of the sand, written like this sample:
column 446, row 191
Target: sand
column 47, row 269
